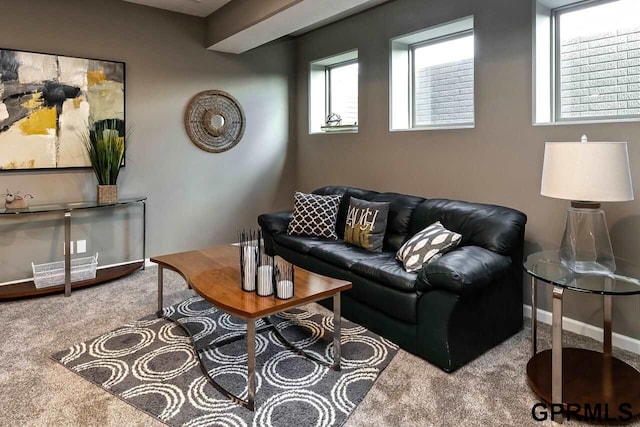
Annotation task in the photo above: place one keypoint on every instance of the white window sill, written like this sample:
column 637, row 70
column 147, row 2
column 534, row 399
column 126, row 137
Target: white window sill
column 333, row 132
column 587, row 122
column 335, row 129
column 431, row 128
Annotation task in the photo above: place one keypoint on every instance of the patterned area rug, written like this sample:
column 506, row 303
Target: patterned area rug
column 151, row 364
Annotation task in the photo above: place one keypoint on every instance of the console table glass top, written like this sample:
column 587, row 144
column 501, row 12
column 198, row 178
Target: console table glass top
column 65, row 207
column 548, row 267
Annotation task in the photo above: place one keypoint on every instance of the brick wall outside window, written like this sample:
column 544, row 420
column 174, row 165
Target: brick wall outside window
column 600, row 75
column 444, row 94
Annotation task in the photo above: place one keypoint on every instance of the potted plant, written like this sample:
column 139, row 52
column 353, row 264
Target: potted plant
column 105, row 142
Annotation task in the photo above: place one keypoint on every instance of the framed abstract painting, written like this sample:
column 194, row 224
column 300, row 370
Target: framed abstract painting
column 48, row 101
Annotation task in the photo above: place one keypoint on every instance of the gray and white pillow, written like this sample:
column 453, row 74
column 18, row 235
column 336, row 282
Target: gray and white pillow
column 427, row 246
column 314, row 215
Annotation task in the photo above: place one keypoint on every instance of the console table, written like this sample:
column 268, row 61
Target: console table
column 27, row 288
column 571, row 376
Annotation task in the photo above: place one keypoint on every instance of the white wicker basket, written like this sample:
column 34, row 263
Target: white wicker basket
column 52, row 273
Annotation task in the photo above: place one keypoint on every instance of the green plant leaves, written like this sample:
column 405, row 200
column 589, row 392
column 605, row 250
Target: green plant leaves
column 105, row 144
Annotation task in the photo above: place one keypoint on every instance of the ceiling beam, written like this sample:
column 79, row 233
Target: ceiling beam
column 242, row 25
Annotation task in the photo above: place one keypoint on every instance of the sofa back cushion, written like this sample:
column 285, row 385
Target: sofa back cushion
column 495, row 228
column 345, row 193
column 401, row 209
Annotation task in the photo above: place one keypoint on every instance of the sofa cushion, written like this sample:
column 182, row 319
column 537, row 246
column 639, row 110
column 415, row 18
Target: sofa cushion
column 341, row 255
column 401, row 209
column 495, row 228
column 366, row 224
column 302, row 244
column 387, row 271
column 396, row 304
column 345, row 193
column 314, row 215
column 390, row 301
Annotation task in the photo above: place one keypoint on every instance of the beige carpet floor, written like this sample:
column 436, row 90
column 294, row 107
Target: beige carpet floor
column 36, row 391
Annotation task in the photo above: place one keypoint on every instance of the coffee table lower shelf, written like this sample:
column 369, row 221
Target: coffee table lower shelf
column 588, row 378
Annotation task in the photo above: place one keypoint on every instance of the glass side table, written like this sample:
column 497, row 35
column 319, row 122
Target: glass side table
column 571, row 376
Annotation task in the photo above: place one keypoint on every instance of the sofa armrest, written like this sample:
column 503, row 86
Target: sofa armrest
column 464, row 270
column 274, row 223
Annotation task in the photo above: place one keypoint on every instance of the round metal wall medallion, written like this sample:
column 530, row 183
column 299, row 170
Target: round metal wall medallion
column 214, row 121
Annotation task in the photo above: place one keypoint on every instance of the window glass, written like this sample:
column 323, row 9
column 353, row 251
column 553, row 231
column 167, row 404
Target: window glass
column 443, row 82
column 343, row 92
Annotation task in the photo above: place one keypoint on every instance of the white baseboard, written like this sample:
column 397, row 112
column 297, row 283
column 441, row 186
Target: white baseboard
column 147, row 263
column 15, row 282
column 621, row 341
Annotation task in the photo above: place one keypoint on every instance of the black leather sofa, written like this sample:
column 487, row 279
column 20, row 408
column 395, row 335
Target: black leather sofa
column 452, row 310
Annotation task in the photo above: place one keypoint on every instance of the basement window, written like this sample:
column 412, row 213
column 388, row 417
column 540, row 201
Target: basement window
column 333, row 94
column 587, row 61
column 432, row 78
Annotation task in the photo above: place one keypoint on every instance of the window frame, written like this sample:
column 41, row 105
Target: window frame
column 401, row 75
column 327, row 71
column 318, row 92
column 551, row 10
column 412, row 78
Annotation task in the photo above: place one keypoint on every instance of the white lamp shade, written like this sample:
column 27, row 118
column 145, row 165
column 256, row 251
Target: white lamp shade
column 587, row 171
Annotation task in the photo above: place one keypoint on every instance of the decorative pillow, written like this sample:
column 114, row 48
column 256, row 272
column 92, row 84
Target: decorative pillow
column 314, row 215
column 426, row 246
column 366, row 224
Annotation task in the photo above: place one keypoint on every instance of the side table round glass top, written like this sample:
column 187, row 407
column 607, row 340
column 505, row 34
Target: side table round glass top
column 579, row 379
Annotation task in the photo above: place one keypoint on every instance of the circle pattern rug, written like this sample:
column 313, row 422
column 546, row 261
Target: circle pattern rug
column 151, row 364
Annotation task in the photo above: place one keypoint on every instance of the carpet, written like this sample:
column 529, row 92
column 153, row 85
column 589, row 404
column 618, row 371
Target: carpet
column 150, row 364
column 38, row 391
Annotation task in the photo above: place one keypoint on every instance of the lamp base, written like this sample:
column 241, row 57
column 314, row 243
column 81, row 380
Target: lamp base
column 586, row 245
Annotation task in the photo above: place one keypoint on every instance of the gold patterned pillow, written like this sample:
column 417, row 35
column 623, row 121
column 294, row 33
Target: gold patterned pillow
column 366, row 224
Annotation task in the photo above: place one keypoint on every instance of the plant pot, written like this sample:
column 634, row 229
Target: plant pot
column 107, row 194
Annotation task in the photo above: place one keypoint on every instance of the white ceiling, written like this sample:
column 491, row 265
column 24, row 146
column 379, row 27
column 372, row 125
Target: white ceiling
column 190, row 7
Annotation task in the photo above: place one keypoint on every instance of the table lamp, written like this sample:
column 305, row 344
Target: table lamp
column 587, row 173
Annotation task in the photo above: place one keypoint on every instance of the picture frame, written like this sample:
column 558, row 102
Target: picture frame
column 47, row 101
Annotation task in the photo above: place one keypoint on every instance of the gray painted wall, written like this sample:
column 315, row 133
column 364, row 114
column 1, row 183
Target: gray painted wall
column 499, row 161
column 196, row 199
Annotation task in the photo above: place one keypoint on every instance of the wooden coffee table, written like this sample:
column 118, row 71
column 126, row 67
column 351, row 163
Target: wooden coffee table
column 214, row 274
